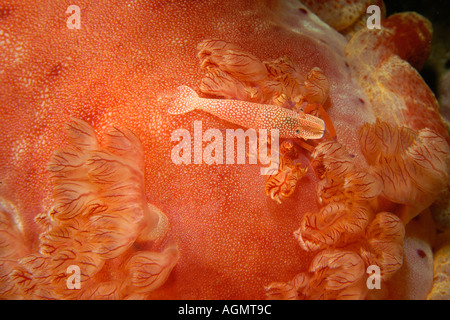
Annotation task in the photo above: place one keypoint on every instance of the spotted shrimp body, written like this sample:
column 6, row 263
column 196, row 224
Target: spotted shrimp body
column 250, row 115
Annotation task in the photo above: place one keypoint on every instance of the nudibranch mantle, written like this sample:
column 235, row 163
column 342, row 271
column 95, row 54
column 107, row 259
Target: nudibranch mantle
column 250, row 115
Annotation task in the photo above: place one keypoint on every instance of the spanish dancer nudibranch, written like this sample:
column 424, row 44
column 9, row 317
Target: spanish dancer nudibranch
column 93, row 207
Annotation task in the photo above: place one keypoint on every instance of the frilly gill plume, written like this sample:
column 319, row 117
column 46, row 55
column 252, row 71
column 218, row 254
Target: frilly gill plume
column 233, row 73
column 99, row 212
column 351, row 232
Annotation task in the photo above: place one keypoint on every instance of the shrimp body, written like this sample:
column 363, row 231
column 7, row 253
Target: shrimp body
column 250, row 115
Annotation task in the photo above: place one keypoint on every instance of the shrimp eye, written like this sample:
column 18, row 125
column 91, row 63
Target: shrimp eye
column 297, row 131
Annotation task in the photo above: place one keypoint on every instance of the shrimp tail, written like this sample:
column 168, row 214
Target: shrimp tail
column 184, row 100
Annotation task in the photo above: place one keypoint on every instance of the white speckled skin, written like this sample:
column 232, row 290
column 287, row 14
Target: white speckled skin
column 251, row 115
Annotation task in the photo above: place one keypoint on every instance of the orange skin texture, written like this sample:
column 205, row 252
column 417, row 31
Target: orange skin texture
column 114, row 71
column 390, row 57
column 349, row 11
